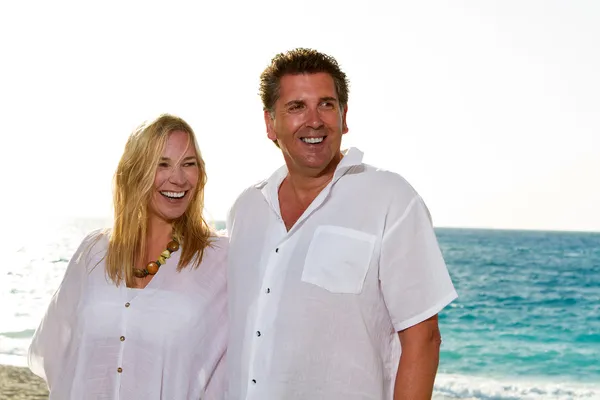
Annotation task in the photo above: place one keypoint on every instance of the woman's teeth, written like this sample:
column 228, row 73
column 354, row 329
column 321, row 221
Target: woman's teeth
column 173, row 195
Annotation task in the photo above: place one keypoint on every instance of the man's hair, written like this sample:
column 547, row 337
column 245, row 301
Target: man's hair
column 295, row 62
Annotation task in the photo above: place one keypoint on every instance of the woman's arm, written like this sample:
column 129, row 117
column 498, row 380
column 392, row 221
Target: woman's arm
column 53, row 335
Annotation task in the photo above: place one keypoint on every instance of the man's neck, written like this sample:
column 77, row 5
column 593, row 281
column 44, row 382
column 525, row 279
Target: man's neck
column 306, row 189
column 306, row 185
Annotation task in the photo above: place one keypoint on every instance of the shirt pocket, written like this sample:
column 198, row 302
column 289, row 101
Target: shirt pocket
column 338, row 259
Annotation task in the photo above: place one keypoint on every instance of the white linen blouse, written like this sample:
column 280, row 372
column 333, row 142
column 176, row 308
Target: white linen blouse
column 166, row 341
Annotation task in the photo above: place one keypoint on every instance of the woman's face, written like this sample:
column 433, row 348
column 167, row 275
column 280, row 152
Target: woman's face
column 176, row 178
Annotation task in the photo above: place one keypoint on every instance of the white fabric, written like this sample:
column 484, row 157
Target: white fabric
column 314, row 312
column 175, row 331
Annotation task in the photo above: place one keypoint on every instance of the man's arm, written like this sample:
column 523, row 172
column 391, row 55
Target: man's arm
column 419, row 360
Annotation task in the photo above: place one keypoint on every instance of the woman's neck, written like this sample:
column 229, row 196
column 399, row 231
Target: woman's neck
column 159, row 232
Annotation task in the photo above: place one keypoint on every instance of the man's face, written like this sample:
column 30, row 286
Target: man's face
column 308, row 123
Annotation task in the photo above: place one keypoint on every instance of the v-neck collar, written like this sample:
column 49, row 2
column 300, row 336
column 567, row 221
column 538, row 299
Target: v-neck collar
column 158, row 280
column 270, row 187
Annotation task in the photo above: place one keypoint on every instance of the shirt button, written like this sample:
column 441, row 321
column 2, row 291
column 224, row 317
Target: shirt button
column 258, row 333
column 268, row 290
column 277, row 250
column 254, row 381
column 119, row 370
column 122, row 338
column 127, row 304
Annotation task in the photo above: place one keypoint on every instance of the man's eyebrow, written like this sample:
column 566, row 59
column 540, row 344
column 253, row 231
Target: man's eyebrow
column 329, row 98
column 294, row 103
column 301, row 102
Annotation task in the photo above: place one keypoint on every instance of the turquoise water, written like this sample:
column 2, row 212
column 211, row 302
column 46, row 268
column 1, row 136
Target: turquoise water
column 526, row 324
column 528, row 307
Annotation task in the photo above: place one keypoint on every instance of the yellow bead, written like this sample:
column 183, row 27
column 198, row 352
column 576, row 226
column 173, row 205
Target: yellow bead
column 161, row 260
column 165, row 254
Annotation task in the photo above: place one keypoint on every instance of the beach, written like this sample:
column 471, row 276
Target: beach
column 18, row 383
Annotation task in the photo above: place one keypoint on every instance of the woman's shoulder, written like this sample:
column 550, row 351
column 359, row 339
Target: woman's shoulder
column 97, row 238
column 214, row 254
column 94, row 244
column 217, row 249
column 220, row 242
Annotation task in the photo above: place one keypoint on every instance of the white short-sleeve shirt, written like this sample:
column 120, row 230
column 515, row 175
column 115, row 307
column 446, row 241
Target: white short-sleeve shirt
column 98, row 341
column 314, row 312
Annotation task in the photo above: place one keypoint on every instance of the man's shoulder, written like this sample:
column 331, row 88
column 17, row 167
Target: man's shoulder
column 246, row 199
column 385, row 181
column 250, row 193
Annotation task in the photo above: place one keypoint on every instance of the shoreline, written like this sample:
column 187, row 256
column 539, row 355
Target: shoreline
column 19, row 383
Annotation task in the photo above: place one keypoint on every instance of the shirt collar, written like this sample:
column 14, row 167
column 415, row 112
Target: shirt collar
column 352, row 157
column 270, row 187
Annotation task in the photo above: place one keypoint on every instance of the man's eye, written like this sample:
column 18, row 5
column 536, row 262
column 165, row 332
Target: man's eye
column 327, row 104
column 296, row 107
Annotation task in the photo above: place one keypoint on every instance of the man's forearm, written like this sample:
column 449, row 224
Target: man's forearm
column 416, row 374
column 418, row 363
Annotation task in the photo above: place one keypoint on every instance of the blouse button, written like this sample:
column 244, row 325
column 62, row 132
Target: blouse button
column 254, row 381
column 268, row 290
column 258, row 333
column 119, row 370
column 127, row 304
column 122, row 338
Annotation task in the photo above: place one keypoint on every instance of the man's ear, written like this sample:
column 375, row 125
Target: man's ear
column 344, row 124
column 269, row 125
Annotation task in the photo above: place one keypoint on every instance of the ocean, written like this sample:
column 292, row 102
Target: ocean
column 526, row 324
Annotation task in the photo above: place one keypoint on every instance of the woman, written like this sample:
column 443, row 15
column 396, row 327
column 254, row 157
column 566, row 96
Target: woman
column 141, row 311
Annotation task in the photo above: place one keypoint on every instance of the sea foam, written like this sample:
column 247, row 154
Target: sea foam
column 453, row 386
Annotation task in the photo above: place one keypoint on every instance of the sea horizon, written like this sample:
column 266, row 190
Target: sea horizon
column 46, row 218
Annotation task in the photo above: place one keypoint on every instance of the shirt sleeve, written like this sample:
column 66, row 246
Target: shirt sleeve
column 55, row 333
column 230, row 218
column 414, row 278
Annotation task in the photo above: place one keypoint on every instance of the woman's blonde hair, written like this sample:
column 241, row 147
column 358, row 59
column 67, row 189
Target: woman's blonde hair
column 133, row 190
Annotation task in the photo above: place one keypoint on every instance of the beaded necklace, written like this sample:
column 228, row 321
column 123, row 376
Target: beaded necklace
column 153, row 266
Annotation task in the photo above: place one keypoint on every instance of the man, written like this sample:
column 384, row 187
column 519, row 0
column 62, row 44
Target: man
column 334, row 266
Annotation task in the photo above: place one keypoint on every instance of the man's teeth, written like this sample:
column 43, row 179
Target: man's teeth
column 313, row 140
column 173, row 195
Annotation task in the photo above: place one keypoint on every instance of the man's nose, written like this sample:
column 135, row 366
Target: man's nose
column 314, row 119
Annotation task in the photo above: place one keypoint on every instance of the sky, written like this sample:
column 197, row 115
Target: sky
column 490, row 109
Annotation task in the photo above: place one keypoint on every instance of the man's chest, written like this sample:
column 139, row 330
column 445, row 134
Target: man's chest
column 292, row 207
column 325, row 255
column 291, row 213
